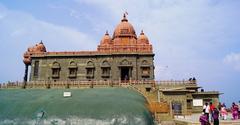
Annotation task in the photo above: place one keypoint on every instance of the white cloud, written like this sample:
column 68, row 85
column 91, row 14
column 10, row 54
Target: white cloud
column 19, row 30
column 186, row 34
column 233, row 59
column 2, row 12
column 27, row 27
column 183, row 32
column 190, row 37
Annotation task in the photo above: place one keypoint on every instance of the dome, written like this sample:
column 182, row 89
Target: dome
column 27, row 61
column 40, row 47
column 106, row 39
column 124, row 29
column 142, row 39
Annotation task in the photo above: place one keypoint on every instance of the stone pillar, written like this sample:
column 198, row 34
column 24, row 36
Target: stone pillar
column 26, row 73
column 25, row 76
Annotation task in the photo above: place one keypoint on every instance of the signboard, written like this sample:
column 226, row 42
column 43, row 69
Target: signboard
column 197, row 102
column 67, row 94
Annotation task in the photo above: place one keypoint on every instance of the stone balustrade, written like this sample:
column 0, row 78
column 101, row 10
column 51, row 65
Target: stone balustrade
column 101, row 83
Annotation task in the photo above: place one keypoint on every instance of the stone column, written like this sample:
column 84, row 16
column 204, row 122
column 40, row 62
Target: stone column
column 26, row 73
column 25, row 76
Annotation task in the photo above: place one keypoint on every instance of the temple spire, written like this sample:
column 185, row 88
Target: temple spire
column 106, row 32
column 142, row 33
column 124, row 17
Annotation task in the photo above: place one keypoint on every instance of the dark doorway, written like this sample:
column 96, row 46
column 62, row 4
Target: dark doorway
column 125, row 73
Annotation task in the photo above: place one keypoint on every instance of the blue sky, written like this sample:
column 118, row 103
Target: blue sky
column 191, row 38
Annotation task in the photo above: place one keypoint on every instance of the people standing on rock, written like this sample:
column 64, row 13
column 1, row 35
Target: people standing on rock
column 215, row 116
column 223, row 105
column 238, row 109
column 219, row 106
column 223, row 113
column 194, row 79
column 204, row 119
column 211, row 111
column 206, row 110
column 234, row 110
column 190, row 79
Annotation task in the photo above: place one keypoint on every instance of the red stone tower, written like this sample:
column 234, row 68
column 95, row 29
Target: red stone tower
column 125, row 40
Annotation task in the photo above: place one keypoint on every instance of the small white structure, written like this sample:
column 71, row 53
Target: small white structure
column 67, row 94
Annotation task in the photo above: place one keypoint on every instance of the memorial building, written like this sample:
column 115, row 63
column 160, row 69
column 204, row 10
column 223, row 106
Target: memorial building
column 122, row 56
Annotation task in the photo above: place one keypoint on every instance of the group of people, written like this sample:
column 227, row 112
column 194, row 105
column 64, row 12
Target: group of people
column 212, row 113
column 223, row 111
column 235, row 111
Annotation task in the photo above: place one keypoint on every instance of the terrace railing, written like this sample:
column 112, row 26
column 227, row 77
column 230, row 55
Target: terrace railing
column 95, row 83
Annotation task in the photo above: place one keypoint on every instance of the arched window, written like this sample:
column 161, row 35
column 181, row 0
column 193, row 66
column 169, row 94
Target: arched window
column 72, row 70
column 106, row 69
column 56, row 70
column 145, row 62
column 90, row 64
column 90, row 70
column 145, row 68
column 36, row 69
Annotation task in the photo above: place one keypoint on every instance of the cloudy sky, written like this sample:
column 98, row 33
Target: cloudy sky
column 191, row 38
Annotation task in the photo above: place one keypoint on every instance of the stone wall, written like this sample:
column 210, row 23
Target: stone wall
column 116, row 61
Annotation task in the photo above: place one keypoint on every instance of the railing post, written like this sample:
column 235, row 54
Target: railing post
column 171, row 111
column 119, row 81
column 130, row 80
